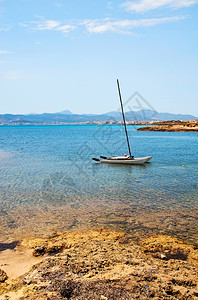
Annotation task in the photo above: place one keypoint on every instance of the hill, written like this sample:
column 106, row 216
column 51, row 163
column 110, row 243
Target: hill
column 67, row 117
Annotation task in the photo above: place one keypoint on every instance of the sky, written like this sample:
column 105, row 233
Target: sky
column 59, row 54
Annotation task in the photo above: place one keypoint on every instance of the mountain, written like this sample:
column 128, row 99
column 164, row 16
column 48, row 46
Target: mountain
column 68, row 117
column 114, row 114
column 149, row 115
column 169, row 116
column 66, row 112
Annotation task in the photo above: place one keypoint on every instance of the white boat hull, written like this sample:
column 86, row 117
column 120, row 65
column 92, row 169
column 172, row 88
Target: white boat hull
column 135, row 161
column 149, row 158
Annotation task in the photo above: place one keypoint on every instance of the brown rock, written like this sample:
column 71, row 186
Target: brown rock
column 105, row 264
column 3, row 276
column 167, row 247
column 172, row 126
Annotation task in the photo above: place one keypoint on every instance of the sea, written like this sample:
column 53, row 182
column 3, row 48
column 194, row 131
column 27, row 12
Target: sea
column 49, row 182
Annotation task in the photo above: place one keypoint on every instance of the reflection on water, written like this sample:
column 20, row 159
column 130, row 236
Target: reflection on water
column 5, row 155
column 48, row 182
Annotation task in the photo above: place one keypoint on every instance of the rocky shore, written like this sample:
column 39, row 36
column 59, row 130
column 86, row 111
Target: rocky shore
column 184, row 126
column 101, row 264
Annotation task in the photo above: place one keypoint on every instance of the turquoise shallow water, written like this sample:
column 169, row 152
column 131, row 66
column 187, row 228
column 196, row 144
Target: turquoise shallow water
column 48, row 180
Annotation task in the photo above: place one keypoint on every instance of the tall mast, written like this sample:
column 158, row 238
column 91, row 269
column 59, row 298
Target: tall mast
column 124, row 118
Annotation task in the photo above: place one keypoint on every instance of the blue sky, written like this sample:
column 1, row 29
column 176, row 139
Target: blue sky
column 61, row 54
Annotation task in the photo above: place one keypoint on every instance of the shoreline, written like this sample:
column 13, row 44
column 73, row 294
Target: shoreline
column 189, row 124
column 99, row 264
column 179, row 222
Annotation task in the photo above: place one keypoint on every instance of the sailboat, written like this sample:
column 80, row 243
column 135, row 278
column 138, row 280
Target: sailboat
column 126, row 159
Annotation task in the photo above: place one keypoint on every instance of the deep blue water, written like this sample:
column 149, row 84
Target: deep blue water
column 49, row 169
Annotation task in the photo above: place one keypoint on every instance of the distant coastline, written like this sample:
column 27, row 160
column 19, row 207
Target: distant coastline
column 141, row 117
column 76, row 123
column 168, row 126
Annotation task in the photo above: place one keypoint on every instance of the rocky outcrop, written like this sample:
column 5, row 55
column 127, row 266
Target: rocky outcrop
column 103, row 264
column 3, row 276
column 188, row 126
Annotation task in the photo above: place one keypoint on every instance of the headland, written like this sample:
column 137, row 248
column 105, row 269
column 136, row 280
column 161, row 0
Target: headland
column 174, row 126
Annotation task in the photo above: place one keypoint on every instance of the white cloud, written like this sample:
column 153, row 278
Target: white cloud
column 12, row 75
column 102, row 26
column 66, row 28
column 146, row 5
column 17, row 75
column 4, row 52
column 47, row 25
column 53, row 25
column 110, row 5
column 99, row 25
column 7, row 28
column 59, row 5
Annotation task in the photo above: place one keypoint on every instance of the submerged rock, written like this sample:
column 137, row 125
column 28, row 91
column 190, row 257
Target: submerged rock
column 167, row 247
